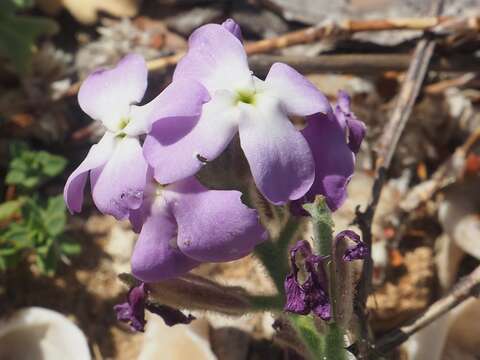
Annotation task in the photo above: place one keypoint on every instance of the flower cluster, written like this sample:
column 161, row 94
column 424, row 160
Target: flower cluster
column 143, row 167
column 309, row 293
column 133, row 310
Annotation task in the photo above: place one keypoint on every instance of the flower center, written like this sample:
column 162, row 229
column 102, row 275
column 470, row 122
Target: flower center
column 122, row 124
column 246, row 97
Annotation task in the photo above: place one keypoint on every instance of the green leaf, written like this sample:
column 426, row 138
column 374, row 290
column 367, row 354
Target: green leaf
column 18, row 35
column 52, row 165
column 22, row 4
column 70, row 248
column 29, row 169
column 16, row 148
column 55, row 216
column 14, row 177
column 9, row 208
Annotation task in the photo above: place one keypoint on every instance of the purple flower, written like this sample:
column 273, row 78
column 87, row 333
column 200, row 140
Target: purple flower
column 358, row 251
column 185, row 224
column 279, row 155
column 116, row 164
column 311, row 295
column 334, row 139
column 133, row 310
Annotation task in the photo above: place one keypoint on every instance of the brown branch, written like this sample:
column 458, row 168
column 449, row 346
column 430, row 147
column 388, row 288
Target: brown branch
column 315, row 33
column 468, row 287
column 447, row 173
column 362, row 63
column 385, row 151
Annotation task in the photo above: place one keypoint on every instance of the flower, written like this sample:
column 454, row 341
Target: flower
column 185, row 224
column 133, row 310
column 117, row 168
column 278, row 154
column 335, row 139
column 311, row 295
column 358, row 251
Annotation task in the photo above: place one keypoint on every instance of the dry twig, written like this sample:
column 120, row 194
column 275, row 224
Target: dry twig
column 348, row 27
column 366, row 64
column 469, row 286
column 386, row 149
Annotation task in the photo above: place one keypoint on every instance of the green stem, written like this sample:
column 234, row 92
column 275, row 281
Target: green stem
column 322, row 225
column 310, row 337
column 335, row 343
column 274, row 262
column 266, row 303
column 273, row 253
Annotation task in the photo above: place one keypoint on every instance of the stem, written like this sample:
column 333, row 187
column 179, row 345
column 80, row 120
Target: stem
column 273, row 253
column 275, row 262
column 266, row 303
column 335, row 343
column 387, row 146
column 322, row 225
column 307, row 332
column 469, row 286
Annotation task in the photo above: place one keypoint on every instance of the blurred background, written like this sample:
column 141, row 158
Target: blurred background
column 426, row 230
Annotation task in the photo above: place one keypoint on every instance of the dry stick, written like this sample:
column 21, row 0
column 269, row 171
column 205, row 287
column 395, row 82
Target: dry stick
column 315, row 33
column 469, row 286
column 361, row 63
column 386, row 149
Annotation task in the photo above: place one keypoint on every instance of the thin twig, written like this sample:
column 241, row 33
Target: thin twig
column 447, row 173
column 348, row 27
column 362, row 63
column 468, row 287
column 386, row 149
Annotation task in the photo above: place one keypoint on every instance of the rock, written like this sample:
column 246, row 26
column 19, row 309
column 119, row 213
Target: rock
column 39, row 333
column 185, row 22
column 178, row 342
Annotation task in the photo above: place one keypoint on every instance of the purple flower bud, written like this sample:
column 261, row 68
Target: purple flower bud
column 234, row 28
column 334, row 139
column 311, row 295
column 133, row 310
column 356, row 129
column 358, row 251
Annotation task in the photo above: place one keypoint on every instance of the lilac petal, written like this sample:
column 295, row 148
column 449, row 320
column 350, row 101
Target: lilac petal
column 356, row 128
column 279, row 156
column 296, row 298
column 234, row 28
column 215, row 58
column 170, row 315
column 214, row 225
column 298, row 95
column 97, row 156
column 180, row 99
column 358, row 251
column 118, row 186
column 107, row 94
column 323, row 309
column 133, row 311
column 310, row 296
column 175, row 156
column 334, row 161
column 156, row 256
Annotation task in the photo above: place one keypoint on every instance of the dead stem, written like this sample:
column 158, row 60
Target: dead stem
column 467, row 287
column 385, row 151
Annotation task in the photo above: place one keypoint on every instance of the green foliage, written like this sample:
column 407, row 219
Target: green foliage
column 40, row 231
column 18, row 33
column 31, row 224
column 29, row 169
